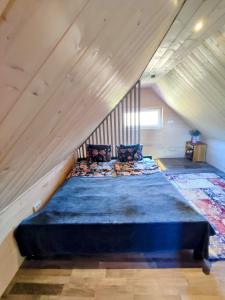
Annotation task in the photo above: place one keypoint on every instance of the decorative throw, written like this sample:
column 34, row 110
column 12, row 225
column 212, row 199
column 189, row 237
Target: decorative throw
column 98, row 153
column 144, row 167
column 128, row 153
column 92, row 169
column 206, row 193
column 114, row 168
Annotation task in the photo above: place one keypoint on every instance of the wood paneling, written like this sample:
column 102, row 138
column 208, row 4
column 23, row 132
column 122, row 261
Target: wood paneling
column 22, row 207
column 213, row 154
column 196, row 87
column 189, row 68
column 168, row 141
column 63, row 66
column 11, row 260
column 182, row 37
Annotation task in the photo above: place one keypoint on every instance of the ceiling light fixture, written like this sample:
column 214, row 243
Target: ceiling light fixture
column 175, row 2
column 198, row 26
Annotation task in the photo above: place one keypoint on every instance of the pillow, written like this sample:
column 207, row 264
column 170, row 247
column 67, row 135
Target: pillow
column 129, row 152
column 98, row 153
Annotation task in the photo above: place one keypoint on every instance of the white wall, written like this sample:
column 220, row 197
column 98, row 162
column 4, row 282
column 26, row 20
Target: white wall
column 216, row 153
column 169, row 141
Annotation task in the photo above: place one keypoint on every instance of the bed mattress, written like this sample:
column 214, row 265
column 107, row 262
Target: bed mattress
column 114, row 214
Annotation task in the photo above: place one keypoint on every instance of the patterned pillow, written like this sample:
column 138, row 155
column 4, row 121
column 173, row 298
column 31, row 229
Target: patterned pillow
column 129, row 152
column 98, row 153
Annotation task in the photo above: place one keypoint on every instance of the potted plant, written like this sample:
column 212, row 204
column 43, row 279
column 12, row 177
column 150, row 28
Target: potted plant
column 195, row 136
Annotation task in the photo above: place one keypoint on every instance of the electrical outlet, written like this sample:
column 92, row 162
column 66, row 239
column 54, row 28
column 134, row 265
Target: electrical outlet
column 37, row 206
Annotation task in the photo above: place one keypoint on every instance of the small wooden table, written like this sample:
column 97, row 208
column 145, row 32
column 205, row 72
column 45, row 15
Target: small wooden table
column 195, row 151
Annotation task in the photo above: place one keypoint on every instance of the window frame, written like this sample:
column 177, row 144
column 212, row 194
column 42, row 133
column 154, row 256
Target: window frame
column 153, row 127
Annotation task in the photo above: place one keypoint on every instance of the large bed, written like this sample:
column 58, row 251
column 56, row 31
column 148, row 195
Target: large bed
column 114, row 214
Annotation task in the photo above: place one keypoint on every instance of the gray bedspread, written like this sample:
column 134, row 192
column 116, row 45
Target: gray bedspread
column 114, row 214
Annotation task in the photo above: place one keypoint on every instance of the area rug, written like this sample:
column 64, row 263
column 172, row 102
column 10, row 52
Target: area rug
column 206, row 193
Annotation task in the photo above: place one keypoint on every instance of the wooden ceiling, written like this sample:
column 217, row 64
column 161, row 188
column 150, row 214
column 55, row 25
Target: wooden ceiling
column 196, row 87
column 63, row 66
column 182, row 37
column 189, row 66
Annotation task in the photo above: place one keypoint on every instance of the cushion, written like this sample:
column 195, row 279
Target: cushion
column 129, row 152
column 98, row 153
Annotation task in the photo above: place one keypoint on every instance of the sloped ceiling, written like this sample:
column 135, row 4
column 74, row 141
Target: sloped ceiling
column 191, row 77
column 196, row 87
column 183, row 36
column 63, row 66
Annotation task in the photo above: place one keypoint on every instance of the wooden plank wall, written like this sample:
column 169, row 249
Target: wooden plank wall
column 22, row 207
column 169, row 140
column 63, row 66
column 213, row 153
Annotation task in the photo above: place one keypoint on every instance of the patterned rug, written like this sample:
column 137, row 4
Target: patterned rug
column 206, row 193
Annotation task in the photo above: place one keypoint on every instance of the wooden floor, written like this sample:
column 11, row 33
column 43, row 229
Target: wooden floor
column 183, row 165
column 125, row 277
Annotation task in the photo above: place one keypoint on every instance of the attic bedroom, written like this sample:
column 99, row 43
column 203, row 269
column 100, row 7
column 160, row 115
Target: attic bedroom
column 112, row 142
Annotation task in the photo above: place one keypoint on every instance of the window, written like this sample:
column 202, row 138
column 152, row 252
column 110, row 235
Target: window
column 149, row 119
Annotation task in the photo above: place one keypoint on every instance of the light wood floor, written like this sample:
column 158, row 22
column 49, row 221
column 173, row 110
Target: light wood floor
column 116, row 280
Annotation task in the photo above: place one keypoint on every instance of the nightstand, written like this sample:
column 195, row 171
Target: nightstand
column 195, row 152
